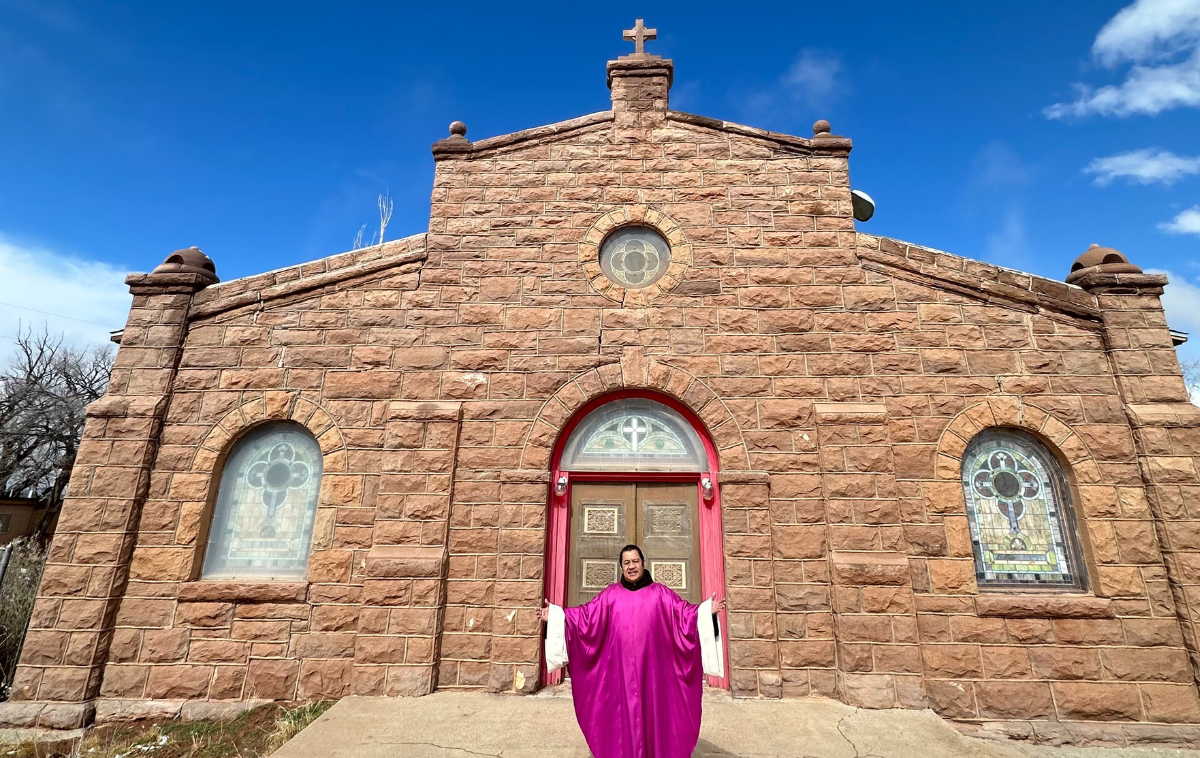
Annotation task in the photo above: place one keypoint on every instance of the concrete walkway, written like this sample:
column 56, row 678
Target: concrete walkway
column 461, row 725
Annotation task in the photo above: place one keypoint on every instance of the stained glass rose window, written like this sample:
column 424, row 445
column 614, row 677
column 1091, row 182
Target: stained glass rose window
column 1022, row 530
column 635, row 256
column 263, row 520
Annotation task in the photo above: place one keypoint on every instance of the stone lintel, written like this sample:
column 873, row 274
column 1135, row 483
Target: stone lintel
column 406, row 562
column 244, row 592
column 1165, row 414
column 1044, row 606
column 525, row 475
column 124, row 406
column 881, row 567
column 850, row 413
column 744, row 477
column 422, row 410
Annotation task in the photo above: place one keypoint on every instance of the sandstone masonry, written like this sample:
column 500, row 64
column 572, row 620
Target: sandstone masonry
column 840, row 376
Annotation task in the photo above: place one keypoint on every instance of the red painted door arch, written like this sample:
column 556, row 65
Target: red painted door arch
column 712, row 561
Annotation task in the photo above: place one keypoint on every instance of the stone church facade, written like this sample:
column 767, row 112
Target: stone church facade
column 920, row 480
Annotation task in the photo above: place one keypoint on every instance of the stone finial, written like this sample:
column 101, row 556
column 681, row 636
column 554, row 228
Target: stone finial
column 821, row 127
column 189, row 260
column 456, row 144
column 1100, row 260
column 1104, row 271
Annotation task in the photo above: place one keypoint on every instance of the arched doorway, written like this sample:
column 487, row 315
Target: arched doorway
column 634, row 466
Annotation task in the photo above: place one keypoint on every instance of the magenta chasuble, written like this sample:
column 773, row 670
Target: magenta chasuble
column 637, row 670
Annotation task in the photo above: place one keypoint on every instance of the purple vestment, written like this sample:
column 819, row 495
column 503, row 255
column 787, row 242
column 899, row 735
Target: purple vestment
column 636, row 672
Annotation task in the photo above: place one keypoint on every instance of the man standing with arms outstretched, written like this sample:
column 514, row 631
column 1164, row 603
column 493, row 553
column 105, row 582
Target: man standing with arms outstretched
column 638, row 654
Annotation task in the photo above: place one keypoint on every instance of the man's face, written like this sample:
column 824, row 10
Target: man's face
column 631, row 565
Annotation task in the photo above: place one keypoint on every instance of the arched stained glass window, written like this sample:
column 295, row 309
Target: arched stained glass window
column 1019, row 514
column 263, row 520
column 634, row 435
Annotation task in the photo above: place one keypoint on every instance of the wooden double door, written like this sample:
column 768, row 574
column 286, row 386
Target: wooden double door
column 660, row 517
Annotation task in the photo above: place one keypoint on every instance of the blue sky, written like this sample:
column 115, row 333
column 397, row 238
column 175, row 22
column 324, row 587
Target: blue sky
column 1017, row 133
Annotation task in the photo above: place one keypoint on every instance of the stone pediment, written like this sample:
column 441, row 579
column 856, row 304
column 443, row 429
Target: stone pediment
column 954, row 273
column 570, row 129
column 308, row 279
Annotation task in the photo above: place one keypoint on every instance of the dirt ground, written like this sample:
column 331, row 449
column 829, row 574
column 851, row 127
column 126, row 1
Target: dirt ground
column 254, row 734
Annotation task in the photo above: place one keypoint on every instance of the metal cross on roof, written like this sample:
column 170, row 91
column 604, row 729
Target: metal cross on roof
column 639, row 34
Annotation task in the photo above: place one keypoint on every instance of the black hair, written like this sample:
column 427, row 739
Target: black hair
column 627, row 548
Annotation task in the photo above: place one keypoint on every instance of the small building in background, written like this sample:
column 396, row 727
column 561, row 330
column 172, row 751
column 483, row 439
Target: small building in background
column 18, row 517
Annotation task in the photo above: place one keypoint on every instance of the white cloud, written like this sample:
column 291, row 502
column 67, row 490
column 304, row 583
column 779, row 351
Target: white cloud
column 1008, row 245
column 1181, row 301
column 998, row 167
column 1148, row 30
column 1145, row 166
column 1187, row 222
column 813, row 80
column 1149, row 34
column 81, row 299
column 814, row 75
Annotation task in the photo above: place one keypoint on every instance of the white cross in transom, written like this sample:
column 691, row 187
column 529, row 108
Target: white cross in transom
column 633, row 429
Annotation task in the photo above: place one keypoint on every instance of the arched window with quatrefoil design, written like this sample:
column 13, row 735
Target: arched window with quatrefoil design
column 1023, row 530
column 262, row 522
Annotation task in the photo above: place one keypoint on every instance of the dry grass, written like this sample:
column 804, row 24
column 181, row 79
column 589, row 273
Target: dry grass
column 254, row 734
column 17, row 594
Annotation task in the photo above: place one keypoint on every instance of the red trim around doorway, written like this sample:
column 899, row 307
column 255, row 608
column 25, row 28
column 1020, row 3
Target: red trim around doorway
column 712, row 556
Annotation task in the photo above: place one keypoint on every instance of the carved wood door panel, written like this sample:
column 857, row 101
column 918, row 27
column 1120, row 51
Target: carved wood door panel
column 668, row 533
column 660, row 517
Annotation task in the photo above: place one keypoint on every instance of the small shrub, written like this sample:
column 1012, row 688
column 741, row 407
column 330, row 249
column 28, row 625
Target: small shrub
column 17, row 594
column 293, row 720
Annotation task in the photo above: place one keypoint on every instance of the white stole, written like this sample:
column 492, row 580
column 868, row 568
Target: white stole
column 711, row 654
column 556, row 639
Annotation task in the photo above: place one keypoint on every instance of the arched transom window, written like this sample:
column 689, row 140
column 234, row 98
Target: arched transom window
column 263, row 519
column 1019, row 514
column 634, row 434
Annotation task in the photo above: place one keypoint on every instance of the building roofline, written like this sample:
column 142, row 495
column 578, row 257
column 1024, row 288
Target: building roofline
column 292, row 280
column 452, row 148
column 457, row 146
column 825, row 143
column 985, row 281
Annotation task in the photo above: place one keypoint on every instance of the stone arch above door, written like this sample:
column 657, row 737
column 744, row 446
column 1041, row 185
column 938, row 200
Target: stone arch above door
column 635, row 370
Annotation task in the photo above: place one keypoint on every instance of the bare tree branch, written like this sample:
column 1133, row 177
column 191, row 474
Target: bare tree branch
column 385, row 213
column 1191, row 377
column 43, row 393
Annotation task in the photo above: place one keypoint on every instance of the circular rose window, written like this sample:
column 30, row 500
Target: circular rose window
column 634, row 256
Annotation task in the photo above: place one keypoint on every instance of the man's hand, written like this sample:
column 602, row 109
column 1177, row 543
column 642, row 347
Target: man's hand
column 544, row 613
column 717, row 605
